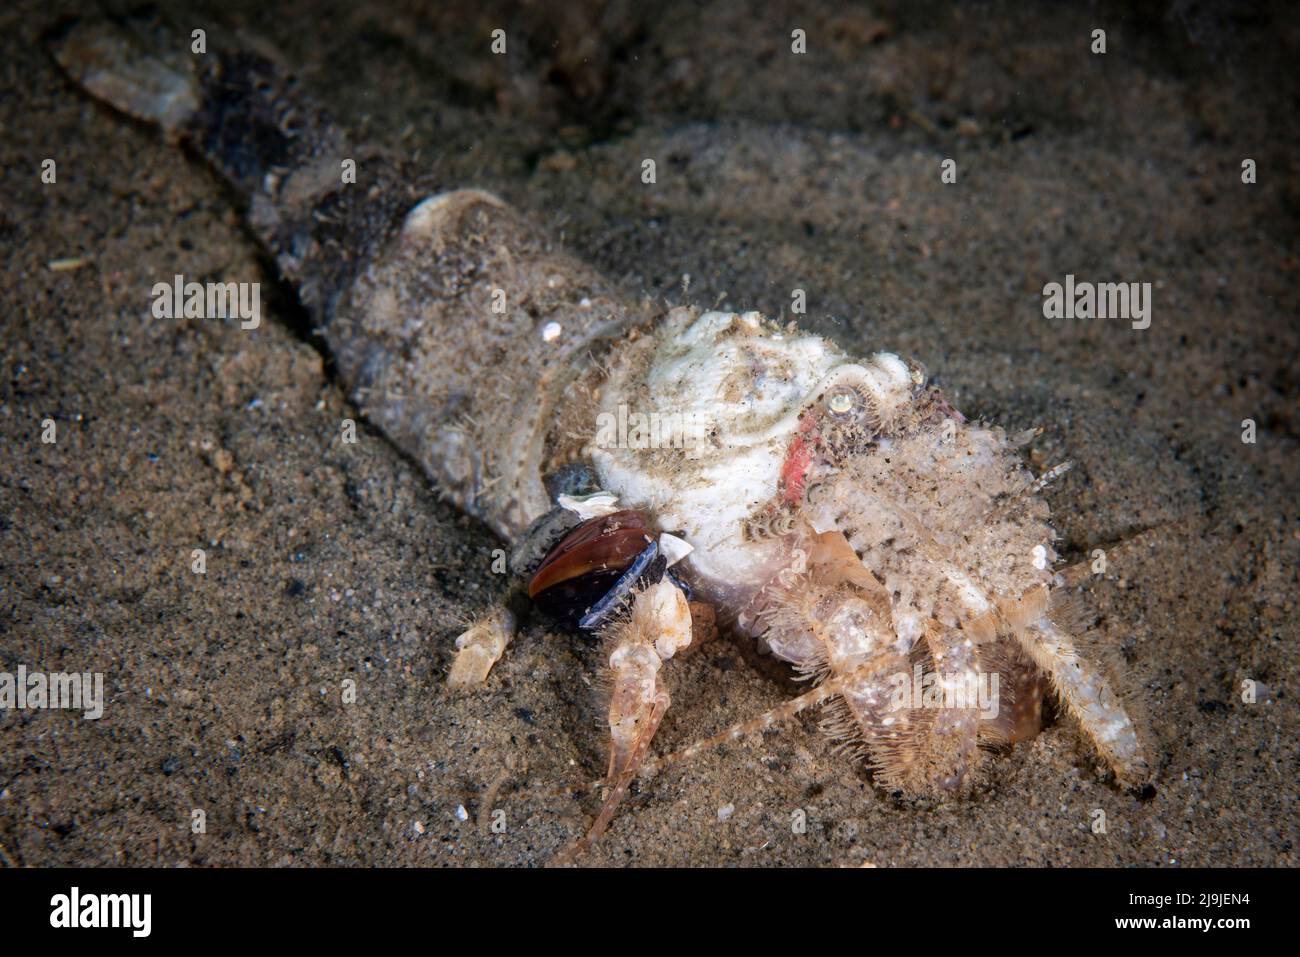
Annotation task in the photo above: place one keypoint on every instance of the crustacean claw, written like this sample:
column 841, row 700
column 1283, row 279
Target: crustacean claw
column 658, row 627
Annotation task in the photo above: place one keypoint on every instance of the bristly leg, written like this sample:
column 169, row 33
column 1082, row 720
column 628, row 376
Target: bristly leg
column 747, row 728
column 955, row 731
column 658, row 626
column 1082, row 687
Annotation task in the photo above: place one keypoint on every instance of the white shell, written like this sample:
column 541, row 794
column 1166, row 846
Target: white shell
column 743, row 383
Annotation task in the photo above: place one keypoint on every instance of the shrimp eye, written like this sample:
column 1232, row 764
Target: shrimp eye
column 842, row 402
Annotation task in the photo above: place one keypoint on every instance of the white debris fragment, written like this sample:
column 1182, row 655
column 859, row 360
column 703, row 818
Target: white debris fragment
column 461, row 813
column 725, row 812
column 590, row 506
column 479, row 648
column 673, row 548
column 551, row 331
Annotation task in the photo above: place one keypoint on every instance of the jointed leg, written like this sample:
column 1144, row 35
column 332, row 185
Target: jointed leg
column 744, row 729
column 867, row 720
column 956, row 726
column 658, row 627
column 624, row 780
column 1086, row 692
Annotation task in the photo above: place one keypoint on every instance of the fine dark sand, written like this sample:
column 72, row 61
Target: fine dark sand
column 328, row 562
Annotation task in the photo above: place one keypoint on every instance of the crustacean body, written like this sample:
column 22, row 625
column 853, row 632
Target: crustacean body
column 660, row 470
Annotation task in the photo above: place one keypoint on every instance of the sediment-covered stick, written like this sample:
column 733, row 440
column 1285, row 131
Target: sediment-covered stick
column 460, row 330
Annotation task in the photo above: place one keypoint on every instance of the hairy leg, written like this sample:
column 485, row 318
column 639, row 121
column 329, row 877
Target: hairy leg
column 955, row 729
column 658, row 626
column 1083, row 688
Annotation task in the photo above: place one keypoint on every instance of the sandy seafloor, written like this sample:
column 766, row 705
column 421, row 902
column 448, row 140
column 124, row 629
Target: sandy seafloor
column 328, row 562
